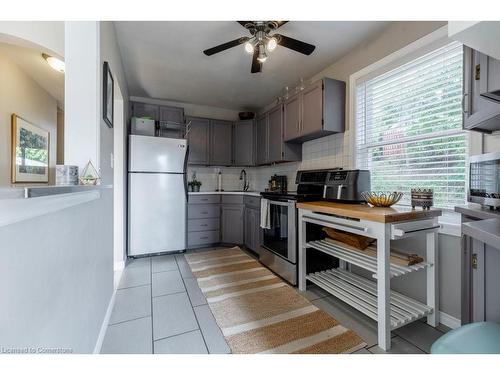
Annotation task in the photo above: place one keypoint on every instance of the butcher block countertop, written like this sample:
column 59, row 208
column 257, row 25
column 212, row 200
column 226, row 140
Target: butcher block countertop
column 366, row 212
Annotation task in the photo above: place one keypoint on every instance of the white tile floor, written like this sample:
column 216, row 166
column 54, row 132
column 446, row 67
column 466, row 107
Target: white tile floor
column 159, row 308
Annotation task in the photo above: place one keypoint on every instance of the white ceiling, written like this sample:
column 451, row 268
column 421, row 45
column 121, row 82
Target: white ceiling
column 164, row 59
column 31, row 62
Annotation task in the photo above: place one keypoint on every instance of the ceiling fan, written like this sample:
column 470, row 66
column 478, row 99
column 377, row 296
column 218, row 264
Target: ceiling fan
column 262, row 41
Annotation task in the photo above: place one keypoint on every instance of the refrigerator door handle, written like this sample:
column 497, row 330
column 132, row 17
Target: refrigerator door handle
column 185, row 173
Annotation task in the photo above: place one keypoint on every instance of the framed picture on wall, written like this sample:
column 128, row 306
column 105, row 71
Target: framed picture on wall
column 30, row 152
column 107, row 95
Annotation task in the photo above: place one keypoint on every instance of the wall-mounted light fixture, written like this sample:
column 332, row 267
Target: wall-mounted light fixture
column 54, row 62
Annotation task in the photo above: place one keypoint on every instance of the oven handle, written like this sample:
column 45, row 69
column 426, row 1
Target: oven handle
column 285, row 204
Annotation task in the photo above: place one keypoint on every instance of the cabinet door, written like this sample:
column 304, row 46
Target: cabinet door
column 312, row 109
column 232, row 224
column 275, row 134
column 221, row 134
column 479, row 113
column 255, row 230
column 174, row 114
column 145, row 110
column 198, row 139
column 243, row 143
column 262, row 140
column 292, row 118
column 247, row 224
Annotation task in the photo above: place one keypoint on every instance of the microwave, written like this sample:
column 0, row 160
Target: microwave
column 484, row 179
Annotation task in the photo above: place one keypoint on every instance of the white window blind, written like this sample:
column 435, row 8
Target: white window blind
column 409, row 127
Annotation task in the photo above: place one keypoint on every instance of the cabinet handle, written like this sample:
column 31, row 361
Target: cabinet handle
column 465, row 95
column 205, row 212
column 203, row 225
column 204, row 238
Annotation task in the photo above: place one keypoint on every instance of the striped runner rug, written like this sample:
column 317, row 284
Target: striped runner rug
column 259, row 313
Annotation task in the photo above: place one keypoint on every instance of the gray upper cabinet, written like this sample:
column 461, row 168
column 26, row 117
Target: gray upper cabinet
column 317, row 111
column 221, row 135
column 275, row 133
column 262, row 140
column 292, row 118
column 198, row 138
column 271, row 147
column 173, row 114
column 145, row 110
column 480, row 72
column 243, row 145
column 232, row 224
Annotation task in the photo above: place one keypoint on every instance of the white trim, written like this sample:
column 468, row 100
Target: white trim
column 410, row 48
column 449, row 321
column 105, row 323
column 118, row 272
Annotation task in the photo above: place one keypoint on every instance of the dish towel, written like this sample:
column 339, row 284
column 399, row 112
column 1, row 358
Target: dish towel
column 265, row 220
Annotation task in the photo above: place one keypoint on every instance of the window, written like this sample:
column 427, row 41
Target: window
column 409, row 127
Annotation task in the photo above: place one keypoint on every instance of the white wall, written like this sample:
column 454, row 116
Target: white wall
column 113, row 141
column 21, row 95
column 82, row 93
column 56, row 276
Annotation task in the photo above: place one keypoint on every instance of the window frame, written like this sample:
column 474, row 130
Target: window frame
column 437, row 39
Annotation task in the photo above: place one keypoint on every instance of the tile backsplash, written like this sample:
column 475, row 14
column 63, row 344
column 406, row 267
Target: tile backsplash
column 327, row 152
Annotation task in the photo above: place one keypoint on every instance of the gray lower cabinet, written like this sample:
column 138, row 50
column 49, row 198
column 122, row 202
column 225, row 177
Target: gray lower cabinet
column 203, row 220
column 252, row 231
column 243, row 143
column 232, row 223
column 480, row 74
column 198, row 138
column 221, row 142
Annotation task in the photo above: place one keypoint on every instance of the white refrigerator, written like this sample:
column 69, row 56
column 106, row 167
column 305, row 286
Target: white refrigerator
column 157, row 195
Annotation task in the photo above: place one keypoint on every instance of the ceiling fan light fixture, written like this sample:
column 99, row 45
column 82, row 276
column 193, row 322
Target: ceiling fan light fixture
column 249, row 47
column 262, row 53
column 272, row 43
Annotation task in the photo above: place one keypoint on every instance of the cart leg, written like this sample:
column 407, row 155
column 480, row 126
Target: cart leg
column 432, row 279
column 302, row 253
column 384, row 287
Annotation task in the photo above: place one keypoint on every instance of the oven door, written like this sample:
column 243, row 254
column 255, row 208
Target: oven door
column 281, row 237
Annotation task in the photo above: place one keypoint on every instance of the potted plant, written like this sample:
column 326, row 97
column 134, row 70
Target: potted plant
column 194, row 184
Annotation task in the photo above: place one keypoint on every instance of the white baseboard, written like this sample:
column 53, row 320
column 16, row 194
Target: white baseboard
column 118, row 271
column 449, row 320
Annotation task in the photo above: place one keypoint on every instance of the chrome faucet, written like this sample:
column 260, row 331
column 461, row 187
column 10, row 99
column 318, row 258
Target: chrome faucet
column 243, row 176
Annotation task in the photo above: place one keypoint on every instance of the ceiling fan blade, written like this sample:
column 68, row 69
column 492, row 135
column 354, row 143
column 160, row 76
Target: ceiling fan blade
column 295, row 44
column 256, row 64
column 223, row 47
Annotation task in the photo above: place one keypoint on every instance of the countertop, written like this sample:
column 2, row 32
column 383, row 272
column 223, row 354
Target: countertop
column 477, row 211
column 487, row 231
column 252, row 193
column 366, row 212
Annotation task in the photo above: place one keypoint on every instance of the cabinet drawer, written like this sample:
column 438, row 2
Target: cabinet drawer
column 204, row 199
column 252, row 201
column 203, row 238
column 200, row 225
column 203, row 211
column 232, row 199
